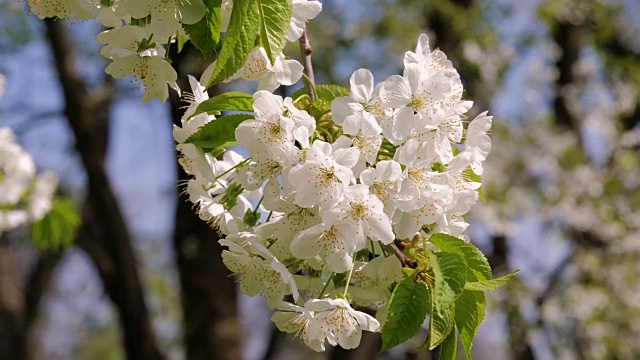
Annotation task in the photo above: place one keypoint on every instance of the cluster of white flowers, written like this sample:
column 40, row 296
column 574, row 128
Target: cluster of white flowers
column 334, row 192
column 212, row 178
column 24, row 196
column 140, row 30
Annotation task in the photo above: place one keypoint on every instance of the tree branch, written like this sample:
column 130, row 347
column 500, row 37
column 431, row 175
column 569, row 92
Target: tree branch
column 404, row 260
column 305, row 51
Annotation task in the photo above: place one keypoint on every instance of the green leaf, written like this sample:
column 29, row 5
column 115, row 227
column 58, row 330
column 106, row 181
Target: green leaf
column 229, row 101
column 449, row 348
column 440, row 326
column 214, row 16
column 408, row 308
column 450, row 273
column 181, row 40
column 205, row 34
column 275, row 17
column 489, row 285
column 239, row 41
column 477, row 263
column 469, row 314
column 218, row 133
column 326, row 93
column 57, row 229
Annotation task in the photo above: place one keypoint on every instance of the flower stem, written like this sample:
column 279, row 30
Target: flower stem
column 384, row 252
column 326, row 285
column 346, row 287
column 326, row 133
column 305, row 50
column 228, row 171
column 313, row 86
column 255, row 211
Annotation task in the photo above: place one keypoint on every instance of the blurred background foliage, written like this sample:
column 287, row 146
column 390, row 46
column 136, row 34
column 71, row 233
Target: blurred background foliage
column 562, row 79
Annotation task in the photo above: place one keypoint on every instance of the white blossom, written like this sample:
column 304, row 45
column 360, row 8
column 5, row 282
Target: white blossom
column 270, row 76
column 414, row 96
column 365, row 136
column 281, row 232
column 123, row 46
column 63, row 9
column 324, row 175
column 296, row 319
column 166, row 15
column 17, row 169
column 476, row 146
column 363, row 99
column 333, row 243
column 190, row 125
column 24, row 196
column 302, row 11
column 384, row 182
column 363, row 213
column 271, row 132
column 337, row 322
column 260, row 272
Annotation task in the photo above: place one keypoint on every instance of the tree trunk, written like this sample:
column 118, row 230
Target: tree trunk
column 12, row 325
column 110, row 246
column 208, row 291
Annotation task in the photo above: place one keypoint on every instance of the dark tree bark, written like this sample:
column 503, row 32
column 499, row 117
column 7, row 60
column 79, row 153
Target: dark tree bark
column 37, row 284
column 208, row 292
column 110, row 246
column 12, row 324
column 568, row 38
column 18, row 303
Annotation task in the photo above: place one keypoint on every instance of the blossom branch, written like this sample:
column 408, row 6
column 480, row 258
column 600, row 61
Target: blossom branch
column 305, row 51
column 404, row 259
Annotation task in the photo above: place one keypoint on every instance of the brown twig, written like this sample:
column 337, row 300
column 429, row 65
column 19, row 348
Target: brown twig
column 404, row 260
column 305, row 51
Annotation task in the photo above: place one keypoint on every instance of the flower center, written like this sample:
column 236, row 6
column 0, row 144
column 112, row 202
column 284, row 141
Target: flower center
column 275, row 130
column 300, row 322
column 141, row 70
column 360, row 141
column 381, row 189
column 328, row 241
column 358, row 211
column 416, row 104
column 327, row 176
column 415, row 175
